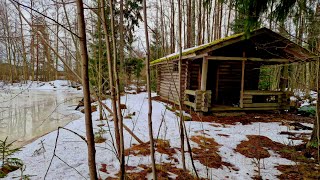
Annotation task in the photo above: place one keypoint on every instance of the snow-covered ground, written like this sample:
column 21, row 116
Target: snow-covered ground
column 309, row 98
column 34, row 85
column 73, row 151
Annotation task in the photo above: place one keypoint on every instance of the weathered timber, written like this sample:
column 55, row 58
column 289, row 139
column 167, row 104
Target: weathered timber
column 223, row 58
column 259, row 92
column 261, row 105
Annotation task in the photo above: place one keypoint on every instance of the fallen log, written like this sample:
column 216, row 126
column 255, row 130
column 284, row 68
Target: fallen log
column 124, row 126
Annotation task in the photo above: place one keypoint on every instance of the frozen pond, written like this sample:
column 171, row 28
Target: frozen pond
column 26, row 115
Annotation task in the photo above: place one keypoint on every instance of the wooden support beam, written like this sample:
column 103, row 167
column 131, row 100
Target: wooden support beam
column 261, row 105
column 260, row 92
column 242, row 80
column 284, row 78
column 217, row 84
column 204, row 74
column 198, row 56
column 190, row 92
column 223, row 58
column 283, row 86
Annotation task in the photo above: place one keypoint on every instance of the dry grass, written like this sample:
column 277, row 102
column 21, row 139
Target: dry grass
column 6, row 169
column 207, row 152
column 306, row 168
column 162, row 146
column 99, row 139
column 300, row 171
column 93, row 109
column 258, row 146
column 165, row 171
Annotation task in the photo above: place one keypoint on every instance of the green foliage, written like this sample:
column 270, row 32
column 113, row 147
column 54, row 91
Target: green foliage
column 134, row 67
column 314, row 31
column 307, row 110
column 264, row 79
column 132, row 17
column 9, row 163
column 153, row 79
column 98, row 136
column 156, row 50
column 249, row 13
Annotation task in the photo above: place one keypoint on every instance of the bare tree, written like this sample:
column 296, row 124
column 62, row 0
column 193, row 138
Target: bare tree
column 111, row 79
column 153, row 163
column 180, row 89
column 117, row 88
column 86, row 92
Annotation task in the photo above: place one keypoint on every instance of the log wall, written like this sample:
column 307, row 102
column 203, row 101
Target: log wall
column 168, row 83
column 194, row 75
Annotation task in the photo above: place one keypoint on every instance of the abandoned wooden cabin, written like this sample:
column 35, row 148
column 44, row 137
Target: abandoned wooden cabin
column 224, row 74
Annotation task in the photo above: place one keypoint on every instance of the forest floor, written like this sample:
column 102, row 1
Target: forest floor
column 224, row 146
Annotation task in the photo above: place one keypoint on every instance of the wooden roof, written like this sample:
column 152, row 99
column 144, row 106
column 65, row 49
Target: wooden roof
column 263, row 43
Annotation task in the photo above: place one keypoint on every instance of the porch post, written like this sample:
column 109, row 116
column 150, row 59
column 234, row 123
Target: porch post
column 284, row 77
column 283, row 85
column 242, row 80
column 205, row 101
column 204, row 74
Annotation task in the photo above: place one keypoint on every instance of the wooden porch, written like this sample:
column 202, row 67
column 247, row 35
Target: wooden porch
column 224, row 75
column 253, row 100
column 244, row 100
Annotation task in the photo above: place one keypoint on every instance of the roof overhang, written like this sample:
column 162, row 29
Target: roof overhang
column 297, row 53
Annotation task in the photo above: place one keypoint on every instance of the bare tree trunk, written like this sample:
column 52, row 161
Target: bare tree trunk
column 24, row 53
column 220, row 18
column 172, row 32
column 229, row 16
column 189, row 24
column 203, row 21
column 116, row 76
column 111, row 80
column 31, row 43
column 100, row 88
column 154, row 172
column 199, row 23
column 76, row 45
column 162, row 30
column 180, row 91
column 314, row 140
column 86, row 92
column 208, row 22
column 57, row 41
column 121, row 33
column 193, row 28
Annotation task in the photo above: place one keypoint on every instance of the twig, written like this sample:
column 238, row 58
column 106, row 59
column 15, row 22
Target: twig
column 70, row 166
column 82, row 137
column 54, row 152
column 55, row 148
column 190, row 151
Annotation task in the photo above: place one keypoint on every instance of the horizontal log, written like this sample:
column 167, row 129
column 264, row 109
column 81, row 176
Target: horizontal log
column 190, row 92
column 257, row 92
column 223, row 58
column 247, row 96
column 171, row 90
column 258, row 105
column 247, row 101
column 169, row 83
column 166, row 95
column 224, row 108
column 191, row 104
